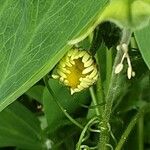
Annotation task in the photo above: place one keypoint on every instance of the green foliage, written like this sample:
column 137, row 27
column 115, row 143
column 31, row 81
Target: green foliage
column 142, row 37
column 71, row 104
column 33, row 38
column 20, row 128
column 113, row 113
column 129, row 13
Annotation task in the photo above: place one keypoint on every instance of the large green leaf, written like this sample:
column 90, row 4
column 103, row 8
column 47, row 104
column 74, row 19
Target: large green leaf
column 34, row 36
column 143, row 40
column 18, row 127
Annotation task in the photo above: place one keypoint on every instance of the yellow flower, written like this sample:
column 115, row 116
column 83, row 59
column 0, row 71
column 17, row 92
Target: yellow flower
column 77, row 70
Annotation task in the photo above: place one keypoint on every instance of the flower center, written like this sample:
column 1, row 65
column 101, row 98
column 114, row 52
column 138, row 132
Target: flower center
column 76, row 73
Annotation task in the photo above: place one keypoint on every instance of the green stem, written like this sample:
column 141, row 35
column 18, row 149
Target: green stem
column 99, row 89
column 113, row 89
column 59, row 105
column 111, row 94
column 94, row 101
column 129, row 129
column 140, row 133
column 84, row 132
column 108, row 67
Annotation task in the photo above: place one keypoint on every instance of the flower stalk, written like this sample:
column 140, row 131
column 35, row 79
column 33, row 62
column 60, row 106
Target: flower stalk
column 111, row 94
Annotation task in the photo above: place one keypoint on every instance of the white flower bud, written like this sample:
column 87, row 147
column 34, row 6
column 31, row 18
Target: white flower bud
column 129, row 72
column 118, row 68
column 133, row 74
column 118, row 47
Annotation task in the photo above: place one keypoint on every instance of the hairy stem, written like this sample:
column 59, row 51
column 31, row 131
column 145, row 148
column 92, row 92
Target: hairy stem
column 111, row 94
column 108, row 66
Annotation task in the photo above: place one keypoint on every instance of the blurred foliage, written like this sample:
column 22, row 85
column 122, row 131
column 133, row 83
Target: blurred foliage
column 35, row 121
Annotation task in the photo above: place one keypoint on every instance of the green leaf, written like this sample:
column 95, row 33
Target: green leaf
column 20, row 128
column 55, row 116
column 36, row 92
column 124, row 13
column 143, row 40
column 132, row 14
column 34, row 37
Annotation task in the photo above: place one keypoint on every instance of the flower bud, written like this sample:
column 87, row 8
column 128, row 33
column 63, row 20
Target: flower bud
column 77, row 70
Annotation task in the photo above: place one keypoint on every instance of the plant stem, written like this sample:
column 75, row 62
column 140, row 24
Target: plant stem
column 81, row 139
column 113, row 89
column 111, row 94
column 108, row 66
column 94, row 101
column 59, row 105
column 129, row 128
column 99, row 88
column 140, row 132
